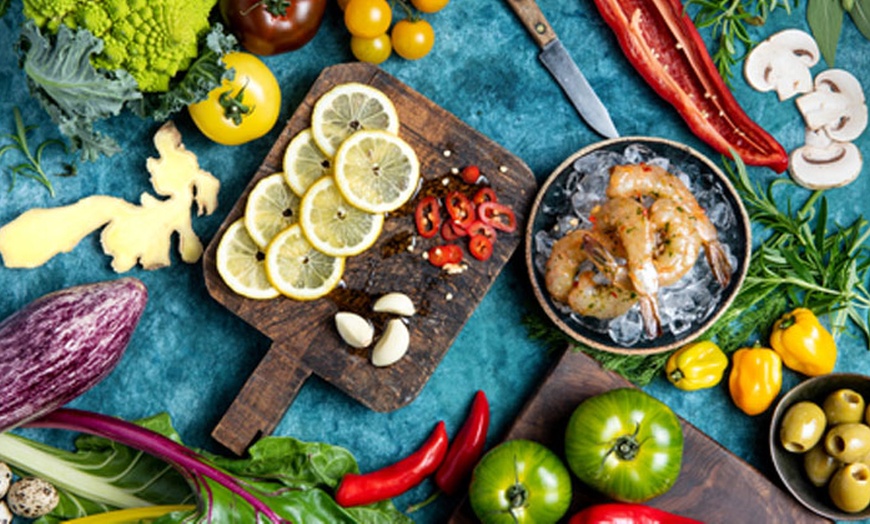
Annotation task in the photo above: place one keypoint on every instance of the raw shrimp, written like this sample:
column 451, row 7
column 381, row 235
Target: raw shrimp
column 638, row 180
column 579, row 289
column 677, row 245
column 627, row 217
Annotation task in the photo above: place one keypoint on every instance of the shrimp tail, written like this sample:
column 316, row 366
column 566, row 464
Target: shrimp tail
column 649, row 312
column 718, row 261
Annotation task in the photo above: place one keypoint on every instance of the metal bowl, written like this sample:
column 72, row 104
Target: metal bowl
column 789, row 466
column 577, row 182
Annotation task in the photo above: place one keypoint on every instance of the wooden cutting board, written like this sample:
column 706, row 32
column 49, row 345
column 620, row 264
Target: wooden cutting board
column 714, row 485
column 304, row 338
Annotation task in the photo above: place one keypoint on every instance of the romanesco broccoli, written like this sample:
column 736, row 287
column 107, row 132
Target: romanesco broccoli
column 152, row 40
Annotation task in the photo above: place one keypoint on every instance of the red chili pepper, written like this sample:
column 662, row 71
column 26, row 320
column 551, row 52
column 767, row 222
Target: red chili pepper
column 391, row 481
column 484, row 194
column 480, row 247
column 470, row 174
column 479, row 228
column 498, row 216
column 467, row 447
column 664, row 46
column 427, row 216
column 445, row 254
column 626, row 513
column 450, row 231
column 460, row 209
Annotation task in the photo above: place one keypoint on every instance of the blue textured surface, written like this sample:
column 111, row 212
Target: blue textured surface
column 190, row 356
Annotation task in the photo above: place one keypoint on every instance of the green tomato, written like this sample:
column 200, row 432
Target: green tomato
column 520, row 481
column 625, row 444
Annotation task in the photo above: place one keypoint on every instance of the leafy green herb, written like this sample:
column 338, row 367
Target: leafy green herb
column 825, row 18
column 729, row 22
column 32, row 166
column 804, row 260
column 4, row 7
column 860, row 14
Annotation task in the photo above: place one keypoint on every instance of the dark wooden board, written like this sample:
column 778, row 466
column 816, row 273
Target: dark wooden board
column 304, row 339
column 714, row 486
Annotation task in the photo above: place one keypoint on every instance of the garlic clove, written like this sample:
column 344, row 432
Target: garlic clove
column 356, row 331
column 392, row 345
column 395, row 303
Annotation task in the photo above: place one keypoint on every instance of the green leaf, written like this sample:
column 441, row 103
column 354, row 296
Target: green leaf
column 860, row 15
column 825, row 18
column 73, row 92
column 4, row 6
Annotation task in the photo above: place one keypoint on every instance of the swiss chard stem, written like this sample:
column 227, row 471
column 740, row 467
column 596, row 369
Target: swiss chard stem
column 190, row 464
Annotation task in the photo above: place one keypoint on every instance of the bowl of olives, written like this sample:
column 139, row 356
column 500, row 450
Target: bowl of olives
column 820, row 444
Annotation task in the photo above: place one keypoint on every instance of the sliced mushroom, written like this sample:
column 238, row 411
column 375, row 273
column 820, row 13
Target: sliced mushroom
column 837, row 105
column 823, row 163
column 782, row 63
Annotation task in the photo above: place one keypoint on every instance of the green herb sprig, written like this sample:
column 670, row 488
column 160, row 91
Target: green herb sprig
column 729, row 22
column 31, row 167
column 803, row 260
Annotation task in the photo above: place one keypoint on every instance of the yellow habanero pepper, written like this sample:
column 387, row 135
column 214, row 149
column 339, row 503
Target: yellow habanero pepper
column 803, row 343
column 755, row 379
column 696, row 366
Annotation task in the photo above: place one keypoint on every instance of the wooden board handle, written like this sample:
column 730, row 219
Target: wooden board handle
column 264, row 398
column 533, row 19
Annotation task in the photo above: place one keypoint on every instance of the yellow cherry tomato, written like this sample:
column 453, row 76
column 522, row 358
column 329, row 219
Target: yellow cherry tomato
column 242, row 109
column 412, row 39
column 367, row 18
column 429, row 6
column 372, row 50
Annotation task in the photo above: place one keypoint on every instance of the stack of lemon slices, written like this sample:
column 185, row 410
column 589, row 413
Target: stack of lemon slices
column 340, row 177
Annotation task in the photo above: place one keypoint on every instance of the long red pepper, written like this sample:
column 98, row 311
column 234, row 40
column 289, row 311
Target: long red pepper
column 390, row 481
column 625, row 513
column 664, row 46
column 466, row 448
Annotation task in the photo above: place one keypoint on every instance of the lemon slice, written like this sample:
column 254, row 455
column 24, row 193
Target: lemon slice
column 376, row 171
column 332, row 225
column 304, row 162
column 271, row 207
column 239, row 262
column 298, row 270
column 348, row 108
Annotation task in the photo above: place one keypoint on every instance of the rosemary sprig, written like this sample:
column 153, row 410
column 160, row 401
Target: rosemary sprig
column 32, row 166
column 729, row 21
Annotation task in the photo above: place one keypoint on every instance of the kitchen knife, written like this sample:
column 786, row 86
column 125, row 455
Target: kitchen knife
column 556, row 59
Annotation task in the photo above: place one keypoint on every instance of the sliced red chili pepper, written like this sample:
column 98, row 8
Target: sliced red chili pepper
column 484, row 194
column 498, row 216
column 427, row 216
column 466, row 448
column 358, row 489
column 450, row 231
column 624, row 512
column 460, row 209
column 445, row 254
column 478, row 227
column 664, row 46
column 480, row 247
column 470, row 174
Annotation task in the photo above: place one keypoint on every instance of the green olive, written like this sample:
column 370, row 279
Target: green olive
column 850, row 487
column 843, row 405
column 819, row 466
column 802, row 427
column 848, row 442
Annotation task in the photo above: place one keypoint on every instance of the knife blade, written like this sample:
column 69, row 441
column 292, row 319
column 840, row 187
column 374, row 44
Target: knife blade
column 558, row 62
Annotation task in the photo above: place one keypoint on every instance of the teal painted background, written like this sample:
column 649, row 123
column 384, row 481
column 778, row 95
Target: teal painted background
column 190, row 356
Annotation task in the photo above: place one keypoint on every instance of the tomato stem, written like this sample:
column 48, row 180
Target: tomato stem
column 275, row 8
column 233, row 107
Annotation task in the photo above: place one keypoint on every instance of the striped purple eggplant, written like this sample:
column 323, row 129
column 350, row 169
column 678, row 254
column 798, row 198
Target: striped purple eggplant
column 62, row 344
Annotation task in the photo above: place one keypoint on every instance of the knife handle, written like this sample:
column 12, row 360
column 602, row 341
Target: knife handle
column 533, row 19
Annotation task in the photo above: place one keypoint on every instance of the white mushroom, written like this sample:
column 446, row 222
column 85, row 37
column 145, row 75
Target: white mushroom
column 395, row 303
column 782, row 63
column 356, row 331
column 837, row 105
column 32, row 498
column 823, row 163
column 392, row 345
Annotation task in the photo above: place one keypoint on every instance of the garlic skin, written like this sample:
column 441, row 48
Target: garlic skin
column 356, row 331
column 392, row 345
column 396, row 304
